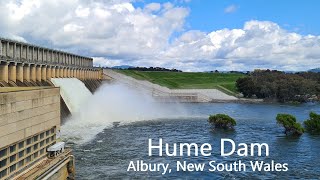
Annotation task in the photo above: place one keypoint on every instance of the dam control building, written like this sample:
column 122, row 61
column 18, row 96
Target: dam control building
column 31, row 108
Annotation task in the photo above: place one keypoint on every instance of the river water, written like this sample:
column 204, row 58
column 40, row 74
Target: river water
column 108, row 155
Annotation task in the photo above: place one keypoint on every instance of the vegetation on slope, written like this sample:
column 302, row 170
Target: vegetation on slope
column 189, row 80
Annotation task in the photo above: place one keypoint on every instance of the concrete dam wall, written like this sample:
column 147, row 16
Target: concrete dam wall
column 23, row 64
column 32, row 108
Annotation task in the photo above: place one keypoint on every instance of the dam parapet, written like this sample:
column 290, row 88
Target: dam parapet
column 23, row 64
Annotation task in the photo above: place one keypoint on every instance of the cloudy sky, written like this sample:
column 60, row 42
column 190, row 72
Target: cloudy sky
column 192, row 35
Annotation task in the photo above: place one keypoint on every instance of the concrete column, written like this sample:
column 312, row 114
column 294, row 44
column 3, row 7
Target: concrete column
column 27, row 53
column 65, row 72
column 1, row 48
column 68, row 72
column 80, row 73
column 57, row 69
column 26, row 72
column 44, row 73
column 14, row 49
column 33, row 73
column 13, row 72
column 53, row 71
column 20, row 72
column 72, row 72
column 48, row 72
column 4, row 72
column 61, row 72
column 8, row 49
column 38, row 73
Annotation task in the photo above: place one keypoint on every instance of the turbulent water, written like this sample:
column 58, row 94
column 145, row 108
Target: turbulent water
column 103, row 151
column 73, row 91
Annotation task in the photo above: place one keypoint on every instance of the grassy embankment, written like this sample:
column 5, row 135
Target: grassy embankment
column 189, row 80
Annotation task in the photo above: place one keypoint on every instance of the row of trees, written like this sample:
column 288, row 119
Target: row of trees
column 153, row 69
column 292, row 127
column 281, row 86
column 288, row 121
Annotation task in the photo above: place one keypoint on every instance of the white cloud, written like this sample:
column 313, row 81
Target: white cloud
column 231, row 9
column 115, row 32
column 152, row 7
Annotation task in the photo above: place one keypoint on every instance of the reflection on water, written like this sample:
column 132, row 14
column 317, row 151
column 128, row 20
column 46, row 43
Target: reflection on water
column 108, row 155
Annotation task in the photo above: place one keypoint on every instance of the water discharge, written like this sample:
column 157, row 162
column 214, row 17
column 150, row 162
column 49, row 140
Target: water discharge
column 73, row 92
column 114, row 103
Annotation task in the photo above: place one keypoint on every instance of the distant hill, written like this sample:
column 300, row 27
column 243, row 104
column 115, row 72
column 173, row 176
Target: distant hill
column 122, row 67
column 315, row 70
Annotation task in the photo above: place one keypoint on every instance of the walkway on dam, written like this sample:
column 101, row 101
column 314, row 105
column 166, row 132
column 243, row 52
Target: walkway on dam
column 183, row 95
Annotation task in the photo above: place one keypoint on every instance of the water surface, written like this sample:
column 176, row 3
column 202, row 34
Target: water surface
column 108, row 155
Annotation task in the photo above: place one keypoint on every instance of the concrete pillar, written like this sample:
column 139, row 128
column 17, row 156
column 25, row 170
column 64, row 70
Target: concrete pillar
column 38, row 73
column 53, row 71
column 14, row 50
column 20, row 72
column 61, row 72
column 68, row 72
column 48, row 72
column 4, row 72
column 33, row 73
column 13, row 72
column 57, row 69
column 80, row 73
column 1, row 48
column 26, row 72
column 76, row 73
column 72, row 72
column 65, row 72
column 44, row 73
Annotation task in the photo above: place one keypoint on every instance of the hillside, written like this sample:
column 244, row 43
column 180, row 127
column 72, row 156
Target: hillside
column 189, row 80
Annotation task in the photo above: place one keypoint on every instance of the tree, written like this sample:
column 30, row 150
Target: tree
column 290, row 124
column 312, row 125
column 222, row 121
column 284, row 87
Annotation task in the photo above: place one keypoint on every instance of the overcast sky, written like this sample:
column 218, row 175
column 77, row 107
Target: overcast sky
column 191, row 35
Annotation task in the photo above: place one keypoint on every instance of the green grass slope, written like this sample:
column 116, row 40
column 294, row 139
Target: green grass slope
column 188, row 80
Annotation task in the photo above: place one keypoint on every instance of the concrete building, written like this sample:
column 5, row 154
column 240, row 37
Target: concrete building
column 29, row 124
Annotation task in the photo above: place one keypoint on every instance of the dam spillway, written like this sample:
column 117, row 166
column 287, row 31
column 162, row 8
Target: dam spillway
column 73, row 99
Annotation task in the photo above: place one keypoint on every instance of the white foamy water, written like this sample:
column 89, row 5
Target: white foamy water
column 73, row 91
column 114, row 103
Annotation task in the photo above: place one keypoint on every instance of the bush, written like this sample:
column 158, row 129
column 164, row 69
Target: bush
column 290, row 124
column 222, row 121
column 312, row 125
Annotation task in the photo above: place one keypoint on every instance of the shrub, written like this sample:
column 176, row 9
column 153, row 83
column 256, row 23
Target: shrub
column 312, row 125
column 290, row 124
column 222, row 121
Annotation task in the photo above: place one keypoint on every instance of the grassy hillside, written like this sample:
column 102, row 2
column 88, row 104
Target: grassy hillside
column 188, row 80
